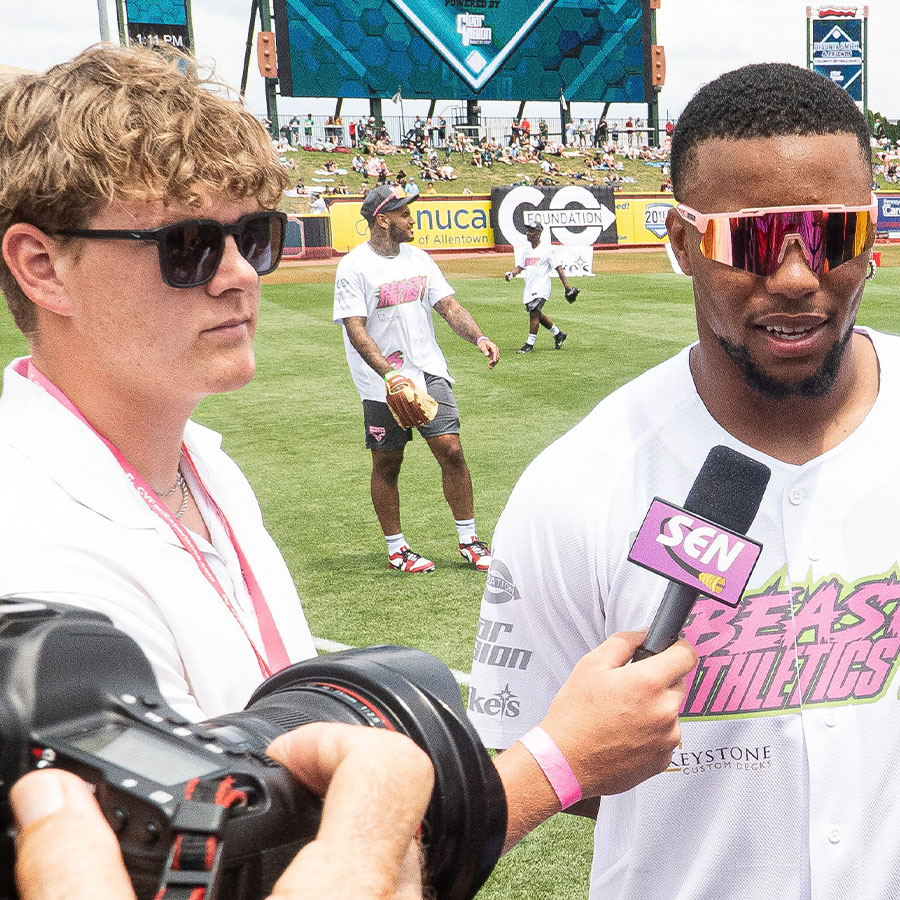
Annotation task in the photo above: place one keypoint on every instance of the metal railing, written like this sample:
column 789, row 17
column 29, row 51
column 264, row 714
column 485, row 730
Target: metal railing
column 329, row 134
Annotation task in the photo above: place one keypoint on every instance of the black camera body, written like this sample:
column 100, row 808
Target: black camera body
column 80, row 695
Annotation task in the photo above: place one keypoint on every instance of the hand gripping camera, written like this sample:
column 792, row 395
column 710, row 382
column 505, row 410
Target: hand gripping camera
column 201, row 805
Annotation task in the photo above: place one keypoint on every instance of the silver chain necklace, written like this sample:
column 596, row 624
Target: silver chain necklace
column 185, row 495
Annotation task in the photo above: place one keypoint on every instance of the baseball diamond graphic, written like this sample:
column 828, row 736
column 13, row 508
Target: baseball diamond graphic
column 475, row 44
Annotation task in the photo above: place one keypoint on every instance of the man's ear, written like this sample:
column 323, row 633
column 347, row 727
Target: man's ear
column 678, row 238
column 35, row 260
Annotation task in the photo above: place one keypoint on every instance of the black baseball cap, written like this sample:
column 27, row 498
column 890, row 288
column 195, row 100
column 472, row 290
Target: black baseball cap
column 384, row 198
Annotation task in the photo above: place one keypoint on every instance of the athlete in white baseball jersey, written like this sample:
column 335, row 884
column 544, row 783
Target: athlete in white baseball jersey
column 785, row 783
column 383, row 296
column 537, row 260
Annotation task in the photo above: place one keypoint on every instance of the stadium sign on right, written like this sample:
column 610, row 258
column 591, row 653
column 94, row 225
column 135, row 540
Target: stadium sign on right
column 837, row 37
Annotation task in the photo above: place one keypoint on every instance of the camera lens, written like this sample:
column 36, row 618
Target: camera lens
column 414, row 693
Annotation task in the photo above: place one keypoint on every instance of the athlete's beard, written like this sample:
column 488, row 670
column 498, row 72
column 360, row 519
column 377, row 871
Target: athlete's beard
column 816, row 385
column 397, row 234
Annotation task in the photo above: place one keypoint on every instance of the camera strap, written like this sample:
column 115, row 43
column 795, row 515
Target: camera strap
column 193, row 866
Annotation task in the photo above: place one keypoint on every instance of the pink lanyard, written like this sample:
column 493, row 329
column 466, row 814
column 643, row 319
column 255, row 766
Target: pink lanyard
column 274, row 646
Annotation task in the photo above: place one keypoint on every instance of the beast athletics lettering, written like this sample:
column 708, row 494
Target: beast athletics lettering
column 848, row 646
column 407, row 290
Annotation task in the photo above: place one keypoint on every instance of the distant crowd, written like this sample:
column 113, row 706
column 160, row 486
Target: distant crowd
column 594, row 152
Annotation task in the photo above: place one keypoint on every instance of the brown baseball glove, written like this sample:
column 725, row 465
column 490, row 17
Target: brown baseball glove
column 410, row 405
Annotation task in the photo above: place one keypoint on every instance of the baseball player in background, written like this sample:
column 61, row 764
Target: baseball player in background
column 785, row 782
column 384, row 293
column 537, row 260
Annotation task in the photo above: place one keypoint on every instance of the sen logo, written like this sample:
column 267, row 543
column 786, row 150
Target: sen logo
column 692, row 551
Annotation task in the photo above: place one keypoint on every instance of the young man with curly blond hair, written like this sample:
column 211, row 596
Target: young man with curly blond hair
column 135, row 222
column 136, row 217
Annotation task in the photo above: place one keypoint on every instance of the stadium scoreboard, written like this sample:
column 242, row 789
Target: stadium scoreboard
column 581, row 50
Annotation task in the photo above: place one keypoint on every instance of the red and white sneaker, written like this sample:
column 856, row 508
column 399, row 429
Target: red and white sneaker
column 406, row 560
column 476, row 553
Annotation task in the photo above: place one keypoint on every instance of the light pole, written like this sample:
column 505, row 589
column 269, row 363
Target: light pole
column 104, row 21
column 398, row 98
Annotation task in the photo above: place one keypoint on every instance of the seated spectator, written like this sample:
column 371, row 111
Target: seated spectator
column 318, row 205
column 329, row 166
column 445, row 173
column 359, row 164
column 549, row 168
column 476, row 158
column 431, row 188
column 411, row 187
column 341, row 187
column 373, row 166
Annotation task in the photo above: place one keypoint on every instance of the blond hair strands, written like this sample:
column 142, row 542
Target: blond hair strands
column 122, row 125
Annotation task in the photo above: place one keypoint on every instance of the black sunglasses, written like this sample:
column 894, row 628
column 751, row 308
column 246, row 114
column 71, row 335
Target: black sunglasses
column 190, row 251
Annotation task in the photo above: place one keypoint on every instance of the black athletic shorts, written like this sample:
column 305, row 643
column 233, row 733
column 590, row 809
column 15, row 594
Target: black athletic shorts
column 383, row 432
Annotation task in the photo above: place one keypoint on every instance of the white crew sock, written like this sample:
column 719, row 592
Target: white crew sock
column 554, row 330
column 395, row 542
column 531, row 339
column 466, row 530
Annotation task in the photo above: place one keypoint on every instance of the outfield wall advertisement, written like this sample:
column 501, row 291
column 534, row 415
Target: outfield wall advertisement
column 642, row 220
column 578, row 218
column 888, row 216
column 441, row 223
column 574, row 215
column 490, row 49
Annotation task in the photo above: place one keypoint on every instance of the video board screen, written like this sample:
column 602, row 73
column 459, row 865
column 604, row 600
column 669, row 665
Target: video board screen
column 152, row 23
column 586, row 50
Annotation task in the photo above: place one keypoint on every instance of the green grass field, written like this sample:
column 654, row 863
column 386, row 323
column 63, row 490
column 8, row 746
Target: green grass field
column 297, row 433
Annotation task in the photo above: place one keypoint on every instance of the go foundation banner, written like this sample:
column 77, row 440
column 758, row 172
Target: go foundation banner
column 440, row 223
column 642, row 220
column 154, row 23
column 575, row 216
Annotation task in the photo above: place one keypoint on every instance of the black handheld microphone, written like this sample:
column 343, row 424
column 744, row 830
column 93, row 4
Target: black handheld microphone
column 728, row 491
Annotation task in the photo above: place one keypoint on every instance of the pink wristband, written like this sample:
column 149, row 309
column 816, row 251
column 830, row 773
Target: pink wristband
column 553, row 764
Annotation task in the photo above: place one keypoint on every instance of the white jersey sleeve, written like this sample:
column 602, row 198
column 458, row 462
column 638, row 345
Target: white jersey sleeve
column 349, row 291
column 541, row 610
